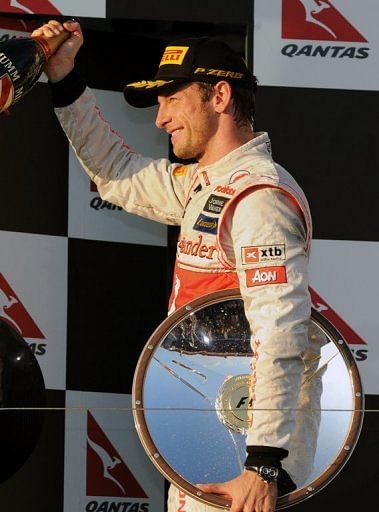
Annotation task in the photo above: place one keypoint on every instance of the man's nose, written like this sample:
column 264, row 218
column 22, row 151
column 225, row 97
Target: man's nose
column 162, row 117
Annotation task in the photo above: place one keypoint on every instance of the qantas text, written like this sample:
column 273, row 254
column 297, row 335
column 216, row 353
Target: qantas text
column 114, row 506
column 340, row 52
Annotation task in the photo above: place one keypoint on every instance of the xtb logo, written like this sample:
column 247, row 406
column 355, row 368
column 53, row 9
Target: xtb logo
column 28, row 6
column 260, row 253
column 317, row 20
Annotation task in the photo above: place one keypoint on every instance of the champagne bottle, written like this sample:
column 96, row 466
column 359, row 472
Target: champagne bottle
column 21, row 64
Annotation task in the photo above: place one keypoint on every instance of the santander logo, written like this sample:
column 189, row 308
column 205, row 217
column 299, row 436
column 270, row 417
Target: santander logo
column 28, row 7
column 317, row 20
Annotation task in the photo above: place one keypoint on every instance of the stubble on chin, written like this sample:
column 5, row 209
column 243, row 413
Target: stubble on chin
column 184, row 153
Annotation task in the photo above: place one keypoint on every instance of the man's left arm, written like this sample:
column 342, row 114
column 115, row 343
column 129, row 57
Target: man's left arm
column 265, row 235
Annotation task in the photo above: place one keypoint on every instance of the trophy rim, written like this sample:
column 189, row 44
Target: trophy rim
column 153, row 452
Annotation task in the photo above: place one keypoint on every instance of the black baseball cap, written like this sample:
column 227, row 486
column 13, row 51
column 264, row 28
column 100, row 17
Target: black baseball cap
column 191, row 60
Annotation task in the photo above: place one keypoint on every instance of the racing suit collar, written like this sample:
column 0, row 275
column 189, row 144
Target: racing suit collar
column 260, row 144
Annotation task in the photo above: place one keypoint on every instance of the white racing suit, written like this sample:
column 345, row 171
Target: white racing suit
column 245, row 223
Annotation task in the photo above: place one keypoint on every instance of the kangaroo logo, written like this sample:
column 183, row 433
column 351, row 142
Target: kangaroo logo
column 13, row 312
column 108, row 461
column 317, row 20
column 351, row 337
column 312, row 8
column 107, row 473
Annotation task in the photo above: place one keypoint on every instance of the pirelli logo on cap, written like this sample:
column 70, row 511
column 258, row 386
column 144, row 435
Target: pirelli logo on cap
column 174, row 55
column 265, row 275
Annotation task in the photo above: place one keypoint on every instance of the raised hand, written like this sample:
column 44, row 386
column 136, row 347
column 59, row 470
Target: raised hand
column 63, row 60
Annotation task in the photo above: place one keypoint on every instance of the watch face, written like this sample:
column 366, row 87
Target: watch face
column 268, row 473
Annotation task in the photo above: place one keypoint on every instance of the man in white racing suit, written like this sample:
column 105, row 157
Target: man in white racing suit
column 244, row 221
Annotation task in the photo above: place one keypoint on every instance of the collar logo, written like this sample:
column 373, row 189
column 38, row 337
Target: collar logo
column 317, row 20
column 13, row 312
column 180, row 171
column 174, row 55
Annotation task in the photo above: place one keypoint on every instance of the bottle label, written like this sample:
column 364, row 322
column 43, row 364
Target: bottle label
column 21, row 64
column 6, row 92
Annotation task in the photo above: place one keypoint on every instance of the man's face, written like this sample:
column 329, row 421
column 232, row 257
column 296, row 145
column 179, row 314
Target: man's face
column 191, row 121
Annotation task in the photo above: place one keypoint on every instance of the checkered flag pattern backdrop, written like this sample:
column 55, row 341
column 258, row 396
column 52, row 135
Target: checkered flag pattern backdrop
column 86, row 284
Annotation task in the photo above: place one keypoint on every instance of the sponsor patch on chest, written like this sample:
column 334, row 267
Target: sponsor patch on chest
column 206, row 224
column 197, row 248
column 215, row 204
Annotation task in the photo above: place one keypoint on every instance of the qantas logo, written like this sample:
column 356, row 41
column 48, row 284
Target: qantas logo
column 323, row 307
column 28, row 7
column 97, row 203
column 317, row 20
column 13, row 312
column 107, row 473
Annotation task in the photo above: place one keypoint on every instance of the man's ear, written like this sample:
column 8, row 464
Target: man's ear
column 222, row 97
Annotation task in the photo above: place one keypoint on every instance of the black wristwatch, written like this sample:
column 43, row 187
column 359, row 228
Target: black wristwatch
column 267, row 473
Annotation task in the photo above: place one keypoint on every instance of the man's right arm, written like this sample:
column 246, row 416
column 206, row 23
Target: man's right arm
column 140, row 185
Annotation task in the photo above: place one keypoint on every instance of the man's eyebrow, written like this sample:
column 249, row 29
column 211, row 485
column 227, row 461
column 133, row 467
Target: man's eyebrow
column 173, row 89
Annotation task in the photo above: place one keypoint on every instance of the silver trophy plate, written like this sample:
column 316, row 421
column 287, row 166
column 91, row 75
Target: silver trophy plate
column 192, row 405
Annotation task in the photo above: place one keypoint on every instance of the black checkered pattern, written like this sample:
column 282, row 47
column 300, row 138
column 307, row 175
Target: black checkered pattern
column 326, row 138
